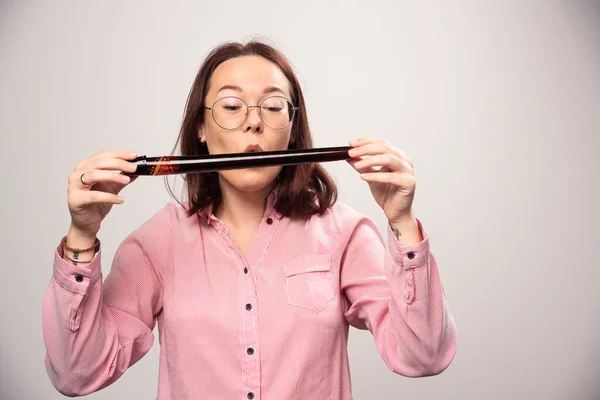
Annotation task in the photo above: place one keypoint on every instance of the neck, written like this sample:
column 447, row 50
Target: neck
column 242, row 209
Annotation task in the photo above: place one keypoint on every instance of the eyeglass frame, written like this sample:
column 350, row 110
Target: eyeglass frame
column 248, row 107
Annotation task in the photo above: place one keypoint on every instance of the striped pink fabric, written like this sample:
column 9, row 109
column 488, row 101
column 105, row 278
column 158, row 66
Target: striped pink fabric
column 271, row 325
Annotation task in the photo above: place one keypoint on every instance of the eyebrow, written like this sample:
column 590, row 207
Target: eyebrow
column 269, row 89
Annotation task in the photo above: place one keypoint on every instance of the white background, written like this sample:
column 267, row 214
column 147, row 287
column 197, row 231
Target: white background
column 497, row 104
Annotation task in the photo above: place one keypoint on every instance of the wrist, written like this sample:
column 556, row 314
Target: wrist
column 80, row 239
column 406, row 218
column 406, row 229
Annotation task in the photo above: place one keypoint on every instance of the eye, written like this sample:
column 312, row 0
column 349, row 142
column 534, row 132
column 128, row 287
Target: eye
column 275, row 105
column 230, row 105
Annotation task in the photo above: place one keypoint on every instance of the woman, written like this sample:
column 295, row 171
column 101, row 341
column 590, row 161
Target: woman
column 255, row 280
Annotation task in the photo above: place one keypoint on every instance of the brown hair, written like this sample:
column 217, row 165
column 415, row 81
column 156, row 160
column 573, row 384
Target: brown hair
column 300, row 186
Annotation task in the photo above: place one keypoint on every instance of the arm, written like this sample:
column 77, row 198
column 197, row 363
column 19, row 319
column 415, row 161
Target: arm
column 407, row 230
column 94, row 331
column 396, row 293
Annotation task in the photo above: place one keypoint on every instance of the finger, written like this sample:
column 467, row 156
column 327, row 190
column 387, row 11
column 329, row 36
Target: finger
column 110, row 164
column 375, row 148
column 389, row 161
column 85, row 198
column 400, row 180
column 96, row 176
column 122, row 154
column 365, row 169
column 104, row 154
column 366, row 140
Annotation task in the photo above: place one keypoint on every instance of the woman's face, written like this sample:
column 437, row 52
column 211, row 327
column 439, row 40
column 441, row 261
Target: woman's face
column 252, row 79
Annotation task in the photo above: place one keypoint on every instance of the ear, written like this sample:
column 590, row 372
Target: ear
column 201, row 136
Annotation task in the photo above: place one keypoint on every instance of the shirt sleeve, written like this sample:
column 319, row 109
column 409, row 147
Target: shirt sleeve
column 94, row 331
column 396, row 293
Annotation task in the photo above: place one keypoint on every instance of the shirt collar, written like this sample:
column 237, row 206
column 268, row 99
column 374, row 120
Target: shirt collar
column 206, row 214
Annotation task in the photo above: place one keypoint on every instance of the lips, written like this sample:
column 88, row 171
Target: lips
column 253, row 148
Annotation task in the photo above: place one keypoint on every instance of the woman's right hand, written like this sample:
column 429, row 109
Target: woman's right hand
column 89, row 204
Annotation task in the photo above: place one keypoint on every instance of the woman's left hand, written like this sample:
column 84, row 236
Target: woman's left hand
column 389, row 173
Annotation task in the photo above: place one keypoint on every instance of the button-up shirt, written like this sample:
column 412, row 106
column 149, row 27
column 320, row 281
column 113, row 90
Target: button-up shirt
column 270, row 325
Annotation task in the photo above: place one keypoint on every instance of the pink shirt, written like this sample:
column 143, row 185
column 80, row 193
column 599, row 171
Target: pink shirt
column 272, row 325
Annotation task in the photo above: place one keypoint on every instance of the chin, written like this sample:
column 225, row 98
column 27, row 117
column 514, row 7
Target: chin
column 251, row 179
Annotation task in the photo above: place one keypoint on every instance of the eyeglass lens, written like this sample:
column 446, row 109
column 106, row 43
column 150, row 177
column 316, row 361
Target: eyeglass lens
column 230, row 112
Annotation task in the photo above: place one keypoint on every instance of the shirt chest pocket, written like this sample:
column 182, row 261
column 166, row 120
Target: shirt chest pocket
column 309, row 281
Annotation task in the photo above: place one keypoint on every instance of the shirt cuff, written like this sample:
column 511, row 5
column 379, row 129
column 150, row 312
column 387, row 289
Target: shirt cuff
column 409, row 255
column 76, row 278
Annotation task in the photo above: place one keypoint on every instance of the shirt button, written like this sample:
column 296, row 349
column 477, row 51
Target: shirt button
column 269, row 220
column 79, row 278
column 411, row 255
column 248, row 306
column 245, row 270
column 250, row 351
column 250, row 395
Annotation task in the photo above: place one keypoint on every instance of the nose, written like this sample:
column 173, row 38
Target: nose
column 253, row 122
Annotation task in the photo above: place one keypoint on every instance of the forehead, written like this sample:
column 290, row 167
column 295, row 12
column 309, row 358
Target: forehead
column 251, row 73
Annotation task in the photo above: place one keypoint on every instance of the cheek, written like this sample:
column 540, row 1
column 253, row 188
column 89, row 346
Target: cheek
column 281, row 140
column 219, row 143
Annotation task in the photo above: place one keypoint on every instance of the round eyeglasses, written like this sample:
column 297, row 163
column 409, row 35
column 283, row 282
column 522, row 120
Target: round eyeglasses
column 230, row 112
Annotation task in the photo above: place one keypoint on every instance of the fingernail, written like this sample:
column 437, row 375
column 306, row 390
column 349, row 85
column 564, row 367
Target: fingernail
column 121, row 199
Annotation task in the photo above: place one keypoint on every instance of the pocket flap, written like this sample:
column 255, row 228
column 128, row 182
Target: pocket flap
column 308, row 263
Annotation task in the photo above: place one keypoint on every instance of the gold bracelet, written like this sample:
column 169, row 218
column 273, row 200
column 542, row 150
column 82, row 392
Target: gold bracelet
column 76, row 250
